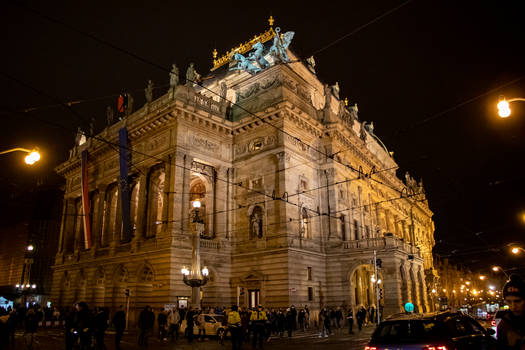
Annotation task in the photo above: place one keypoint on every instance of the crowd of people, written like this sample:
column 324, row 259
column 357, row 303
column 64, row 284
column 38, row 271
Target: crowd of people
column 85, row 327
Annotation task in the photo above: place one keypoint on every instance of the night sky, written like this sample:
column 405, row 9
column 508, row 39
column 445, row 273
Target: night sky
column 428, row 74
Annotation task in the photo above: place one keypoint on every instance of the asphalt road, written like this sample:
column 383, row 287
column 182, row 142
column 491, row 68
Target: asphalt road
column 53, row 339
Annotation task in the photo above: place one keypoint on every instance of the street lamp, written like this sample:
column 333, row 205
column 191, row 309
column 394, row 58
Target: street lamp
column 482, row 277
column 504, row 105
column 517, row 250
column 195, row 277
column 30, row 248
column 32, row 157
column 499, row 268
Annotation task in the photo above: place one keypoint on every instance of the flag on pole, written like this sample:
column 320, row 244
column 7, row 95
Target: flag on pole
column 86, row 210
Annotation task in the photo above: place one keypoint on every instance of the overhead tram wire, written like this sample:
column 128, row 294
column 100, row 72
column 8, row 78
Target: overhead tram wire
column 135, row 151
column 127, row 52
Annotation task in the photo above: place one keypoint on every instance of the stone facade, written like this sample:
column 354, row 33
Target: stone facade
column 296, row 197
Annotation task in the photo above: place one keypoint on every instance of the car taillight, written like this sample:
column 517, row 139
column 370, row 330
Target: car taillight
column 435, row 347
column 493, row 323
column 370, row 348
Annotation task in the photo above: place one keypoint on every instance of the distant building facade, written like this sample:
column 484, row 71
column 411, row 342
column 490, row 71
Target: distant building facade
column 296, row 195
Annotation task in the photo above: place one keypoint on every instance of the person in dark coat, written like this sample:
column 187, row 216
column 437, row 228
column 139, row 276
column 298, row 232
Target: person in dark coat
column 162, row 320
column 100, row 324
column 511, row 328
column 146, row 323
column 82, row 325
column 290, row 322
column 69, row 324
column 300, row 319
column 293, row 311
column 361, row 316
column 190, row 323
column 11, row 327
column 280, row 322
column 119, row 322
column 350, row 320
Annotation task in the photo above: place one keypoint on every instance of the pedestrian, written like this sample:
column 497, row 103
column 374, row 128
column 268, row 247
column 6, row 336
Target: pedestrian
column 338, row 317
column 258, row 320
column 100, row 324
column 201, row 323
column 294, row 317
column 234, row 326
column 361, row 315
column 511, row 328
column 119, row 322
column 146, row 323
column 290, row 321
column 11, row 327
column 174, row 324
column 372, row 313
column 190, row 323
column 69, row 319
column 162, row 320
column 82, row 325
column 350, row 320
column 322, row 324
column 300, row 319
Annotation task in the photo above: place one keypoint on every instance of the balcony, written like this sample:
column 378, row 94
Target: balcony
column 382, row 243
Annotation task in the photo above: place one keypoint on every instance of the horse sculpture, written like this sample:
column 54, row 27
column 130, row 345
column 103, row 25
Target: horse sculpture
column 244, row 63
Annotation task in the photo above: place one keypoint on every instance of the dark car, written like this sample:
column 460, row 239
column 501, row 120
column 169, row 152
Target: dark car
column 431, row 331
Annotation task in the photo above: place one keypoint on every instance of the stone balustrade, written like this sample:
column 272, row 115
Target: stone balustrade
column 382, row 243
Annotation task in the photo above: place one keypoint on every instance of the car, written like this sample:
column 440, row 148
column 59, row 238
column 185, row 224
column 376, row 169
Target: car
column 213, row 324
column 495, row 321
column 431, row 331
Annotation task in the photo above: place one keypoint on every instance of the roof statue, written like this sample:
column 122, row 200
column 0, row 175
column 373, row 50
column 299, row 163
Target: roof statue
column 311, row 63
column 92, row 126
column 148, row 92
column 362, row 131
column 109, row 115
column 244, row 63
column 336, row 89
column 174, row 76
column 258, row 55
column 192, row 77
column 280, row 45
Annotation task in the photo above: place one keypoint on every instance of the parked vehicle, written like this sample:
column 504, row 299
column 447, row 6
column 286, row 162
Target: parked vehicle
column 495, row 321
column 213, row 326
column 431, row 331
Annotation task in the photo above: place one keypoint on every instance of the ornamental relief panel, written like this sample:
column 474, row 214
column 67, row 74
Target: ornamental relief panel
column 159, row 143
column 255, row 145
column 301, row 146
column 204, row 144
column 257, row 87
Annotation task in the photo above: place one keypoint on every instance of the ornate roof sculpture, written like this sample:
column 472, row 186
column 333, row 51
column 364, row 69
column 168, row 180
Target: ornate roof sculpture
column 257, row 60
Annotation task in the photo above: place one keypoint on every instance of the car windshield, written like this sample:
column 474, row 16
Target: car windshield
column 218, row 318
column 405, row 331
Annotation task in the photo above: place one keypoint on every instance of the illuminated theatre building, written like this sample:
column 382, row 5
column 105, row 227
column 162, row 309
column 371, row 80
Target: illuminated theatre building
column 296, row 194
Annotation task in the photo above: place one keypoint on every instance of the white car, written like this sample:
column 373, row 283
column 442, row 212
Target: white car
column 212, row 325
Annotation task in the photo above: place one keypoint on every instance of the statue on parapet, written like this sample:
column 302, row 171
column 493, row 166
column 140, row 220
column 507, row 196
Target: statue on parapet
column 311, row 63
column 280, row 45
column 192, row 77
column 148, row 92
column 336, row 89
column 174, row 76
column 258, row 55
column 109, row 115
column 244, row 63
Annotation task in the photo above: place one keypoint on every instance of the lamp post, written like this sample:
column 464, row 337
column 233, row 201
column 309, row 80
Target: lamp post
column 499, row 268
column 517, row 250
column 195, row 278
column 504, row 105
column 32, row 157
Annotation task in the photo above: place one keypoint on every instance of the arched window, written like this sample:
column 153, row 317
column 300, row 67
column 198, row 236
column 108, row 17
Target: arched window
column 256, row 223
column 110, row 215
column 134, row 206
column 198, row 192
column 79, row 224
column 155, row 202
column 305, row 224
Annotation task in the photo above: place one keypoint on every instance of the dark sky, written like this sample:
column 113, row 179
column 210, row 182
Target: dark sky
column 428, row 75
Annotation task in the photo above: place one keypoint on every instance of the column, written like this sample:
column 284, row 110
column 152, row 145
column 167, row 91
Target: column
column 221, row 202
column 177, row 193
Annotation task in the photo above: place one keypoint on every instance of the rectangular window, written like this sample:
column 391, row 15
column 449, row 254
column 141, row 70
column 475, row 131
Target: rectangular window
column 304, row 185
column 356, row 229
column 309, row 273
column 254, row 297
column 310, row 293
column 343, row 228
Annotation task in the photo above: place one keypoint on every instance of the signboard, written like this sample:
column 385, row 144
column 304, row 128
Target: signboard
column 409, row 307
